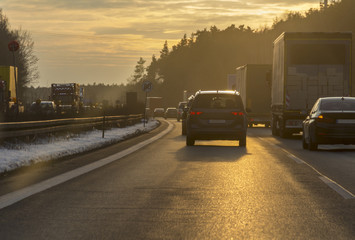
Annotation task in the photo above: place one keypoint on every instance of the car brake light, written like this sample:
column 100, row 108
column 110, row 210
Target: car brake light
column 238, row 113
column 195, row 113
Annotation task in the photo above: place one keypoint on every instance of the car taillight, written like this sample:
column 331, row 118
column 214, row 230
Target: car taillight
column 323, row 119
column 195, row 113
column 238, row 113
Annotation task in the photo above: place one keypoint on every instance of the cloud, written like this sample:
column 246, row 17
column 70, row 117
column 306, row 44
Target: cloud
column 72, row 34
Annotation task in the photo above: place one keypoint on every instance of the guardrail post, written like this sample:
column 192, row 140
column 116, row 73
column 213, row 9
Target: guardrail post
column 103, row 126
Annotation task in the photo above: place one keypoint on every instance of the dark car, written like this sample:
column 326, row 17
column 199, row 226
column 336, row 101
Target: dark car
column 184, row 114
column 331, row 121
column 216, row 115
column 180, row 110
column 170, row 112
column 158, row 112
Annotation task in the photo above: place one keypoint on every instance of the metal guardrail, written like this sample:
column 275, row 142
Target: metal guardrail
column 21, row 129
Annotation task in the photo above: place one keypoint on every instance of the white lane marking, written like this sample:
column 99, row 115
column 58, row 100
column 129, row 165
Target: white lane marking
column 332, row 184
column 13, row 197
column 336, row 187
column 290, row 155
column 296, row 159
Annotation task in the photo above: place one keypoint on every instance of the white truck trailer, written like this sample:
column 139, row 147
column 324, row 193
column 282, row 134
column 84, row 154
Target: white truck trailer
column 307, row 66
column 251, row 82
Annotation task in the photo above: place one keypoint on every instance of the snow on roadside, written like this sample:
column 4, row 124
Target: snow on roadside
column 13, row 155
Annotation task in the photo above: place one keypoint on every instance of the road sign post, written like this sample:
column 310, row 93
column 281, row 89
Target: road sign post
column 13, row 47
column 147, row 86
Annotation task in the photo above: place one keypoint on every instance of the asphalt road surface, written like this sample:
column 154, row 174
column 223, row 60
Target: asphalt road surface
column 272, row 189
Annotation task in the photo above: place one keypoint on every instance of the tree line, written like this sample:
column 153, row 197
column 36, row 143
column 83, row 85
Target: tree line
column 199, row 61
column 203, row 60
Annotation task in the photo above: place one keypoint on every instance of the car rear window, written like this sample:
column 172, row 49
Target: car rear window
column 218, row 101
column 338, row 104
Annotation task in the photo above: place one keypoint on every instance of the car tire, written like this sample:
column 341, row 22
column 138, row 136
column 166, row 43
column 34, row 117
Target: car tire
column 190, row 141
column 312, row 145
column 304, row 143
column 243, row 141
column 183, row 131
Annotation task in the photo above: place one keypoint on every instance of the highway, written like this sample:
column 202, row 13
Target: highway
column 272, row 189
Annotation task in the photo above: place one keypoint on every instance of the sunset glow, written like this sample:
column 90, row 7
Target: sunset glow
column 101, row 41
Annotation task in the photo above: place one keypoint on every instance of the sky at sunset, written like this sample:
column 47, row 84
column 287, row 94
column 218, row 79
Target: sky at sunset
column 89, row 41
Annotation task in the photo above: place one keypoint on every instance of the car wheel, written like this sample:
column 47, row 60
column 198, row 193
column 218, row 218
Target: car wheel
column 304, row 143
column 243, row 141
column 183, row 130
column 312, row 145
column 190, row 141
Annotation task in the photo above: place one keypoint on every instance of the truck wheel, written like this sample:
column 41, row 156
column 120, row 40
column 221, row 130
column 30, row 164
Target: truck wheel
column 190, row 141
column 283, row 132
column 274, row 129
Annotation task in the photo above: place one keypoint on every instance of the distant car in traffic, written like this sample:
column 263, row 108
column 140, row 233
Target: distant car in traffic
column 170, row 112
column 180, row 110
column 216, row 115
column 331, row 121
column 45, row 108
column 184, row 114
column 158, row 112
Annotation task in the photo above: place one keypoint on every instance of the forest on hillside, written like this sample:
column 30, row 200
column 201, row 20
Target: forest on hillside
column 203, row 60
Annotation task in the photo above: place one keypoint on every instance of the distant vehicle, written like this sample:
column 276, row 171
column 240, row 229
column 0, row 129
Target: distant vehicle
column 158, row 112
column 67, row 95
column 184, row 114
column 307, row 66
column 45, row 108
column 154, row 102
column 331, row 121
column 180, row 110
column 170, row 112
column 251, row 82
column 216, row 115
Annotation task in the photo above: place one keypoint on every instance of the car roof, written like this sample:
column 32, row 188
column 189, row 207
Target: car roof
column 337, row 98
column 217, row 92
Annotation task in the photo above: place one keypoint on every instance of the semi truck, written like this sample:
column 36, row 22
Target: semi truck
column 7, row 88
column 307, row 66
column 67, row 96
column 154, row 102
column 251, row 82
